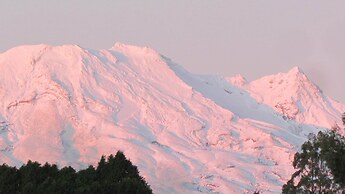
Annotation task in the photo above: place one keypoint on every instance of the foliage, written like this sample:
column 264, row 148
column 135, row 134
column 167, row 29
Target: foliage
column 114, row 174
column 320, row 165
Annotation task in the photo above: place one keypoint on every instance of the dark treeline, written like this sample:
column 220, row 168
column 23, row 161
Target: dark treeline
column 114, row 174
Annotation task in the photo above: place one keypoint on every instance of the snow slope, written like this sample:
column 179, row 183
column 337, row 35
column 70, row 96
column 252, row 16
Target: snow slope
column 187, row 133
column 294, row 96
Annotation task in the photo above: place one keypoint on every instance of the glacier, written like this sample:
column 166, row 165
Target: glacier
column 187, row 133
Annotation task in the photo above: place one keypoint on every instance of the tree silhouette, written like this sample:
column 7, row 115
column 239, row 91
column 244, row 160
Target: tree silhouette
column 320, row 165
column 116, row 174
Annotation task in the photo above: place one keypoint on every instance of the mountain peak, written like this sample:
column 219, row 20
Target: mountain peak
column 121, row 45
column 298, row 77
column 296, row 72
column 237, row 80
column 293, row 95
column 28, row 52
column 293, row 78
column 132, row 49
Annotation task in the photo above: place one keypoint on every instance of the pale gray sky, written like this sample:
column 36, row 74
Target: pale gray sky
column 253, row 38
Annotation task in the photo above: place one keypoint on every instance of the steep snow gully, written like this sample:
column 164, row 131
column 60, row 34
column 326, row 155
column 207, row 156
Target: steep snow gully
column 187, row 133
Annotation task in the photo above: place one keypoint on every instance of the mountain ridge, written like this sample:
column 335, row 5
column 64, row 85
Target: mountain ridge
column 187, row 133
column 293, row 94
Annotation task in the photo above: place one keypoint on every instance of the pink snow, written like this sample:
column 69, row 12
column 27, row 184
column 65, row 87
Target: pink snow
column 187, row 133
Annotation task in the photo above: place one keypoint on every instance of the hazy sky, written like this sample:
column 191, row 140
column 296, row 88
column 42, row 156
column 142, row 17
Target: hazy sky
column 253, row 38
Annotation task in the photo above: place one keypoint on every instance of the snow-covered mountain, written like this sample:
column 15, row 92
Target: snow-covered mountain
column 187, row 133
column 294, row 96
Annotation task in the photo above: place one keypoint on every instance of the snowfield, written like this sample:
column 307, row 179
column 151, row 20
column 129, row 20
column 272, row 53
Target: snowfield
column 186, row 133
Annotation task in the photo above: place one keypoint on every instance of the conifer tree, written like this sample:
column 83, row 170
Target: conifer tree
column 114, row 175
